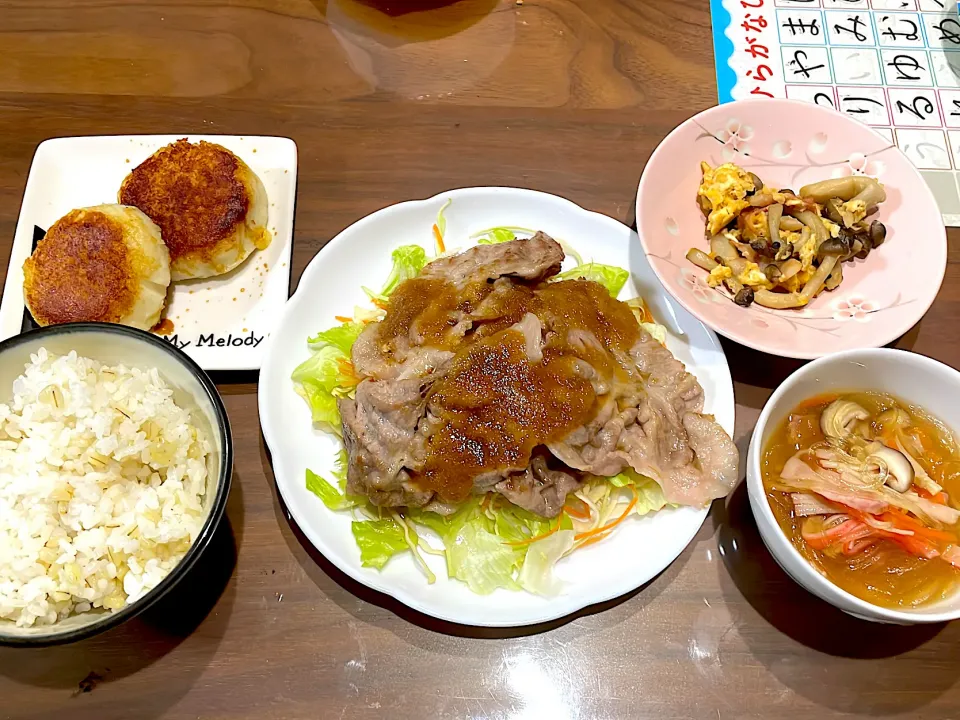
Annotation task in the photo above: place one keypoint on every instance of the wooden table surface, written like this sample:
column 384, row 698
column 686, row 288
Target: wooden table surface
column 388, row 104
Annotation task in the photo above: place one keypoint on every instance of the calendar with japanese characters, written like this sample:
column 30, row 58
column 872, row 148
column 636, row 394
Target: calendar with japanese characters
column 892, row 64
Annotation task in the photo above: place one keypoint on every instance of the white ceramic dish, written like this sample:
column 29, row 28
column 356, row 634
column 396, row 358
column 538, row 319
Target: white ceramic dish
column 220, row 322
column 331, row 285
column 913, row 378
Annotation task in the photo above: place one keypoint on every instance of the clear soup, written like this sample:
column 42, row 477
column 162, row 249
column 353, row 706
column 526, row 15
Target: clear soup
column 882, row 572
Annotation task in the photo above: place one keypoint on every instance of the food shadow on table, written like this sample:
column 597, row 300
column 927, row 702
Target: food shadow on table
column 330, row 579
column 844, row 682
column 431, row 19
column 138, row 643
column 753, row 367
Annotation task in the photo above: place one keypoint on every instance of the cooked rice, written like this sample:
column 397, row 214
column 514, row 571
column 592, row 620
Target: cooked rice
column 102, row 483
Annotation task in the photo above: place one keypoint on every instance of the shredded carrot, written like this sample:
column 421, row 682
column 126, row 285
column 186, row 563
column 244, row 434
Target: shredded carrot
column 594, row 539
column 905, row 522
column 528, row 541
column 350, row 373
column 646, row 313
column 940, row 498
column 341, row 318
column 582, row 513
column 439, row 238
column 486, row 502
column 608, row 526
column 379, row 303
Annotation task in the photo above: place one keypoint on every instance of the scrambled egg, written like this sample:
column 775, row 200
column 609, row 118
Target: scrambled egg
column 832, row 227
column 752, row 275
column 753, row 224
column 808, row 253
column 718, row 275
column 796, row 283
column 853, row 211
column 725, row 187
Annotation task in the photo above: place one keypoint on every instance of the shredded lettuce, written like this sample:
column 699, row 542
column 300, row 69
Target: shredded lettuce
column 480, row 558
column 536, row 574
column 335, row 498
column 408, row 261
column 320, row 380
column 341, row 337
column 328, row 374
column 657, row 331
column 441, row 219
column 494, row 235
column 332, row 497
column 378, row 540
column 611, row 277
column 649, row 494
column 497, row 235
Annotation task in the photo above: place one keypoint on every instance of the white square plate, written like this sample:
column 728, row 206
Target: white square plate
column 220, row 322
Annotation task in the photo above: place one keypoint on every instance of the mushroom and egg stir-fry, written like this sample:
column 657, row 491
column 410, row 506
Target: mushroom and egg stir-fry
column 779, row 248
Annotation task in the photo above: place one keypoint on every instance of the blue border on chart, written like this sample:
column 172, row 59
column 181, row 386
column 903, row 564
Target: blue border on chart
column 722, row 51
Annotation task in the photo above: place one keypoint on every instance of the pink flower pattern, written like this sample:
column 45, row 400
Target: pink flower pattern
column 697, row 287
column 859, row 164
column 735, row 138
column 853, row 308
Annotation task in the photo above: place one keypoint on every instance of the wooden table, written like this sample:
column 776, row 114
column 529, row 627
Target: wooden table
column 566, row 96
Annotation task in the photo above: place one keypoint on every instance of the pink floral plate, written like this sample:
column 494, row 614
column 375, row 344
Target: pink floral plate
column 789, row 144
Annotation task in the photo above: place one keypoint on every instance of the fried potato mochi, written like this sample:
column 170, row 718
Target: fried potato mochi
column 210, row 206
column 106, row 263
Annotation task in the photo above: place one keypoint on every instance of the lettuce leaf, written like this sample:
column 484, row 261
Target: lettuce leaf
column 441, row 218
column 611, row 277
column 332, row 497
column 477, row 553
column 497, row 235
column 408, row 261
column 657, row 331
column 480, row 558
column 341, row 337
column 320, row 380
column 502, row 234
column 536, row 574
column 514, row 524
column 649, row 494
column 378, row 540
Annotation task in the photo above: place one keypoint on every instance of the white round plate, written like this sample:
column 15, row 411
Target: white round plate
column 331, row 285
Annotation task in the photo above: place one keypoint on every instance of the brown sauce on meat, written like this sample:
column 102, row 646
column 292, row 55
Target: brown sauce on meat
column 585, row 305
column 424, row 303
column 494, row 406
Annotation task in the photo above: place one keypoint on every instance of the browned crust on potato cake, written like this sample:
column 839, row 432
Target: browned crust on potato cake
column 82, row 270
column 191, row 191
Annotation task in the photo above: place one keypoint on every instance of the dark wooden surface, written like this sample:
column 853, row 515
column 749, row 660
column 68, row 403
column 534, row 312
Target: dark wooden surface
column 388, row 104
